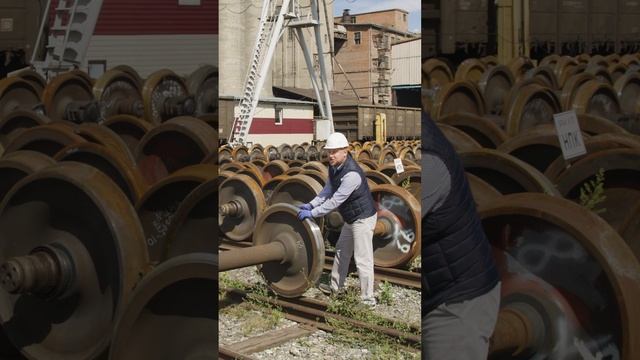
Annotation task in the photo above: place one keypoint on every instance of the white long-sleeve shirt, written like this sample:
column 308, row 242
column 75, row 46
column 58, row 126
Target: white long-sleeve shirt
column 329, row 199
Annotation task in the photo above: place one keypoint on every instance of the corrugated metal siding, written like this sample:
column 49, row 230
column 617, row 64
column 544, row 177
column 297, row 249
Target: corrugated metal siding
column 148, row 53
column 405, row 63
column 146, row 17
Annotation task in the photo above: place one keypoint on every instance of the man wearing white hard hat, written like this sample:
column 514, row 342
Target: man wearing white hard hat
column 348, row 191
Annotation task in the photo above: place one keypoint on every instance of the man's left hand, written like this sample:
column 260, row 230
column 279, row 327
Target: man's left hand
column 304, row 214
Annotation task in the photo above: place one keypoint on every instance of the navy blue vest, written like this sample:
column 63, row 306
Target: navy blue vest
column 360, row 204
column 457, row 264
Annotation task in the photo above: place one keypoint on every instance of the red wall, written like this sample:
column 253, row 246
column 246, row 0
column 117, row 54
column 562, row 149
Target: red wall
column 155, row 17
column 289, row 126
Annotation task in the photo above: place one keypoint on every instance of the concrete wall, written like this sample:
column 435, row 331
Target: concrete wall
column 289, row 66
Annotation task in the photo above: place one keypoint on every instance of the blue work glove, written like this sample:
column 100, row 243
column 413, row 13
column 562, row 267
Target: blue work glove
column 304, row 214
column 305, row 207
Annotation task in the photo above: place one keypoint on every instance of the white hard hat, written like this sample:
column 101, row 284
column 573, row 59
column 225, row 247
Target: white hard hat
column 336, row 141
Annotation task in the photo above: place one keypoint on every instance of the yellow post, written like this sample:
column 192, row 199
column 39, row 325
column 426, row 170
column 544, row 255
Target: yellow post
column 381, row 127
column 513, row 29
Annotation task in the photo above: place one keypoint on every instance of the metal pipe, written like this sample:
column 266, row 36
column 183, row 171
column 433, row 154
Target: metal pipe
column 253, row 255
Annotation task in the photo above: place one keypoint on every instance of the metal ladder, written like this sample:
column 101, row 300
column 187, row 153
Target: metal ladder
column 269, row 32
column 69, row 37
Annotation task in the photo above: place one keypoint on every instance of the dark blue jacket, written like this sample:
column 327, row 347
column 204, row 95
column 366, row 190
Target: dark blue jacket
column 457, row 264
column 360, row 204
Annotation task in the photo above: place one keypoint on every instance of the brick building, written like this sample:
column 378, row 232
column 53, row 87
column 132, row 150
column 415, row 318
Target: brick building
column 363, row 48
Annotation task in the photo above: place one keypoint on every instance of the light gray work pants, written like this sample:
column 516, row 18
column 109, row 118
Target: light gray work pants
column 355, row 239
column 461, row 331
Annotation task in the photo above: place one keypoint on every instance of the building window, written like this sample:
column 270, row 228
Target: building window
column 353, row 19
column 356, row 37
column 97, row 68
column 404, row 17
column 279, row 115
column 189, row 2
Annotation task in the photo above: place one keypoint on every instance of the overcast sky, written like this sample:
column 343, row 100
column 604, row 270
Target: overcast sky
column 360, row 6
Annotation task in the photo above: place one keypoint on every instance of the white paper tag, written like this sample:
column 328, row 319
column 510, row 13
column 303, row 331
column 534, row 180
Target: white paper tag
column 399, row 167
column 6, row 25
column 569, row 134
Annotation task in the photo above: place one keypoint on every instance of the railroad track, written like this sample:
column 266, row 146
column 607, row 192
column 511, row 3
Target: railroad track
column 310, row 314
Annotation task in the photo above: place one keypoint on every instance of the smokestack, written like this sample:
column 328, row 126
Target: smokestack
column 346, row 18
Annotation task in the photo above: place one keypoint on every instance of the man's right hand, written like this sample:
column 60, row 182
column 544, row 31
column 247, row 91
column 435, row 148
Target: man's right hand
column 305, row 207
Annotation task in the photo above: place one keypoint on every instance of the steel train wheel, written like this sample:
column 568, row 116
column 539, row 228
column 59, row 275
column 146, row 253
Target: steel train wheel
column 506, row 173
column 537, row 237
column 63, row 91
column 194, row 222
column 538, row 146
column 484, row 131
column 160, row 88
column 122, row 172
column 130, row 129
column 495, row 84
column 621, row 187
column 173, row 313
column 460, row 140
column 17, row 120
column 241, row 203
column 17, row 165
column 17, row 94
column 176, row 144
column 401, row 212
column 203, row 84
column 75, row 216
column 458, row 97
column 118, row 93
column 533, row 105
column 159, row 204
column 294, row 276
column 47, row 139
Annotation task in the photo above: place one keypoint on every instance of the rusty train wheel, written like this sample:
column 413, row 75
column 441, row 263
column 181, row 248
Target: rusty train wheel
column 122, row 171
column 458, row 97
column 16, row 120
column 75, row 215
column 160, row 87
column 545, row 74
column 379, row 178
column 538, row 146
column 243, row 202
column 460, row 140
column 295, row 276
column 470, row 70
column 19, row 164
column 64, row 90
column 194, row 222
column 157, row 207
column 17, row 94
column 495, row 84
column 273, row 169
column 401, row 211
column 130, row 128
column 177, row 143
column 483, row 193
column 484, row 131
column 627, row 88
column 596, row 98
column 47, row 139
column 203, row 84
column 118, row 93
column 535, row 238
column 533, row 105
column 179, row 294
column 506, row 173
